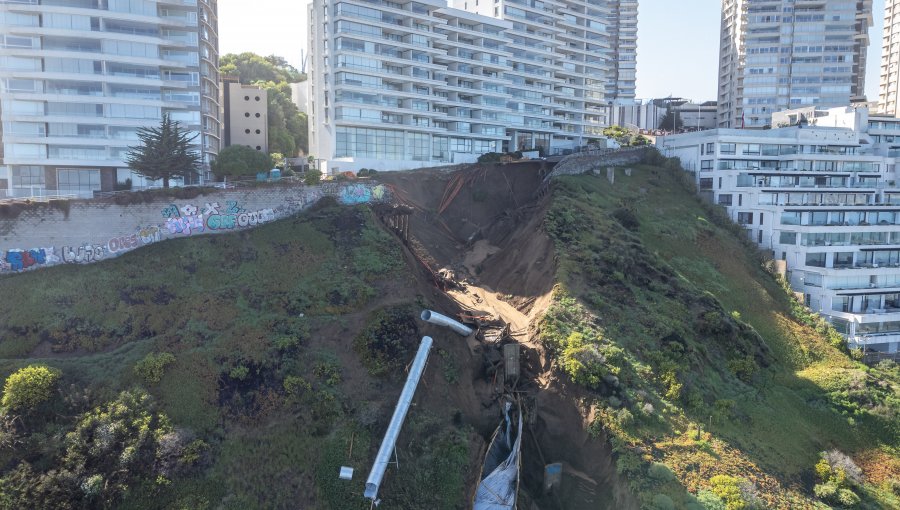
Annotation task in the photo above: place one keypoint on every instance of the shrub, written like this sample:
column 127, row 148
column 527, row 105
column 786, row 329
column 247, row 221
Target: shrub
column 660, row 472
column 28, row 387
column 826, row 491
column 490, row 157
column 386, row 345
column 729, row 489
column 663, row 502
column 151, row 368
column 625, row 418
column 239, row 373
column 710, row 500
column 312, row 177
column 627, row 218
column 296, row 386
column 847, row 497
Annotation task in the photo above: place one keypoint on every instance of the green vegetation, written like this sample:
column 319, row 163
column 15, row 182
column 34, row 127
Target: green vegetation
column 29, row 387
column 699, row 362
column 217, row 372
column 239, row 160
column 151, row 368
column 625, row 137
column 165, row 152
column 287, row 126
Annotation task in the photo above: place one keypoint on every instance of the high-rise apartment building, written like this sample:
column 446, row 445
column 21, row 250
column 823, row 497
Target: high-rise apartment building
column 889, row 88
column 245, row 116
column 78, row 78
column 822, row 196
column 446, row 83
column 780, row 54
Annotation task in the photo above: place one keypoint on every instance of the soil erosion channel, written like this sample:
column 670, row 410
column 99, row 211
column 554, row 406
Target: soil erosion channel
column 478, row 233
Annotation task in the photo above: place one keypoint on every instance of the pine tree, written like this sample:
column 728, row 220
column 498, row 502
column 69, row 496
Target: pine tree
column 165, row 153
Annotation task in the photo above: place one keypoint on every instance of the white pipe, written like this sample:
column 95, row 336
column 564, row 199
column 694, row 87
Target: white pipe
column 393, row 430
column 443, row 320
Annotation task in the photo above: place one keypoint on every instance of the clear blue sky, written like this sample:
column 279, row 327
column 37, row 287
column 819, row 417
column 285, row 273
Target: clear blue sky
column 678, row 46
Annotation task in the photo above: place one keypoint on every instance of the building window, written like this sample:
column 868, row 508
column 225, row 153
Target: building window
column 77, row 180
column 788, row 238
column 706, row 165
column 725, row 199
column 727, row 148
column 815, row 259
column 27, row 176
column 706, row 184
column 745, row 218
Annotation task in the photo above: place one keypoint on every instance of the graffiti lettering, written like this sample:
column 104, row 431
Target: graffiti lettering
column 187, row 225
column 82, row 254
column 221, row 222
column 233, row 208
column 123, row 243
column 171, row 211
column 20, row 260
column 355, row 194
column 211, row 208
column 149, row 235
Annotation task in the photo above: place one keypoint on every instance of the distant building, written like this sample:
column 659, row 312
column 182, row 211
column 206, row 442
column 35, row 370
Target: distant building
column 641, row 115
column 823, row 196
column 697, row 117
column 780, row 54
column 246, row 115
column 397, row 85
column 889, row 88
column 78, row 79
column 300, row 95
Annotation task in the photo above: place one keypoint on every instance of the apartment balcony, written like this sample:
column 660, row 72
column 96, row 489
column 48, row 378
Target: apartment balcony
column 874, row 339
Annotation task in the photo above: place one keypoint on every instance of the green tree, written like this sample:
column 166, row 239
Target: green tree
column 666, row 122
column 28, row 387
column 165, row 153
column 239, row 160
column 619, row 134
column 288, row 127
column 249, row 67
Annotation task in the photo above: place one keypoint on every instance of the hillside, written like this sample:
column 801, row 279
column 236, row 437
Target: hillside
column 241, row 371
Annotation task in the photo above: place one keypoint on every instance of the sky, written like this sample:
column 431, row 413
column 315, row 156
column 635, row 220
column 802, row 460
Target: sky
column 678, row 48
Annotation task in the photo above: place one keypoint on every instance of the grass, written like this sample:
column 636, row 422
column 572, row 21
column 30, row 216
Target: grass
column 659, row 290
column 239, row 316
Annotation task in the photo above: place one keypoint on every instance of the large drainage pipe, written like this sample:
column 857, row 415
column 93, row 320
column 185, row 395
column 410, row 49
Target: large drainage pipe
column 443, row 320
column 393, row 431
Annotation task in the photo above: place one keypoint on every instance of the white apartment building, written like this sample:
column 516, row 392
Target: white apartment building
column 822, row 198
column 446, row 83
column 79, row 77
column 889, row 87
column 781, row 54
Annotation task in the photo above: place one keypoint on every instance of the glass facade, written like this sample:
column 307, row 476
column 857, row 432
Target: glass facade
column 133, row 60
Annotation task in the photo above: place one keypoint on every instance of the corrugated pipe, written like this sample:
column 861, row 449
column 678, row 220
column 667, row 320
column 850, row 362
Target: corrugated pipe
column 393, row 431
column 443, row 320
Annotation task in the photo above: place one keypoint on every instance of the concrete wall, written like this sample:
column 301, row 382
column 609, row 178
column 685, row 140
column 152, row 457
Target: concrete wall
column 582, row 163
column 33, row 236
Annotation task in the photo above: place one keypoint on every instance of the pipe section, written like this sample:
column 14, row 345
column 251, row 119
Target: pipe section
column 393, row 431
column 443, row 320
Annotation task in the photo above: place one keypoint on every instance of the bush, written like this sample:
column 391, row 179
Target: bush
column 729, row 489
column 626, row 218
column 312, row 177
column 151, row 368
column 663, row 502
column 240, row 160
column 710, row 501
column 847, row 497
column 490, row 157
column 28, row 387
column 660, row 472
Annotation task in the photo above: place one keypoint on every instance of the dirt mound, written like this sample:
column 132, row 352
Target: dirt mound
column 481, row 227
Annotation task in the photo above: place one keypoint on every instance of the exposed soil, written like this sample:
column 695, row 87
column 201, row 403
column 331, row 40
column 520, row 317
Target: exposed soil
column 483, row 227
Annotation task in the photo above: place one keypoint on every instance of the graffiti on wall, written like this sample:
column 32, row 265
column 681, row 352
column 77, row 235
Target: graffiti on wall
column 190, row 219
column 179, row 220
column 21, row 260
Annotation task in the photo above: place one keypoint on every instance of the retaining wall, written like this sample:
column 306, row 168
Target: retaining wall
column 33, row 236
column 582, row 163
